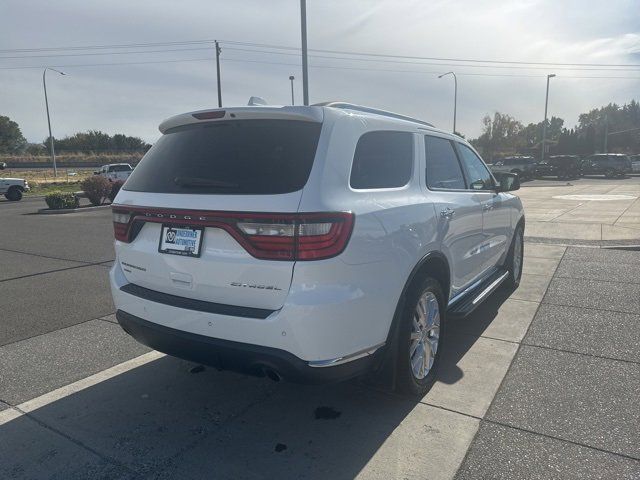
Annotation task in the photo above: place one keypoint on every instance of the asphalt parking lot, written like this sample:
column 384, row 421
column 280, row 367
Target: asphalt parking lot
column 539, row 383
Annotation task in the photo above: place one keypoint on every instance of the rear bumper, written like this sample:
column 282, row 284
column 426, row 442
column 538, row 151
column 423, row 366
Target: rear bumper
column 237, row 356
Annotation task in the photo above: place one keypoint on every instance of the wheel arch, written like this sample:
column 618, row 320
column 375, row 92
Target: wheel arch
column 434, row 264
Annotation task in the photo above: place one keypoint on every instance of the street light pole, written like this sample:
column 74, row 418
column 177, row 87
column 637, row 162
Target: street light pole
column 292, row 78
column 544, row 125
column 455, row 97
column 606, row 133
column 218, row 50
column 46, row 102
column 303, row 28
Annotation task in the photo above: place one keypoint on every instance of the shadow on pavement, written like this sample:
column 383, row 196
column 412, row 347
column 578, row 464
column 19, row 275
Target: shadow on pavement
column 160, row 417
column 166, row 419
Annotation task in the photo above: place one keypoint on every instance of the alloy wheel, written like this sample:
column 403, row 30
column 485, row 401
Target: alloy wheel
column 425, row 335
column 517, row 255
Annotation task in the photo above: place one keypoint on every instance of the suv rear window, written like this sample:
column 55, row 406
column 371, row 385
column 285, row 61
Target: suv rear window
column 382, row 159
column 234, row 157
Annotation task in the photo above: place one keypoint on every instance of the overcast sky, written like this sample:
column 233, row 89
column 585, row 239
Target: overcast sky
column 134, row 99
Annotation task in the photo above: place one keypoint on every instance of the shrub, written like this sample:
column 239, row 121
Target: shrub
column 96, row 188
column 59, row 200
column 115, row 188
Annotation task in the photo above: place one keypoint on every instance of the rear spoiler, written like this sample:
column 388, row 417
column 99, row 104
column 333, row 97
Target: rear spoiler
column 303, row 114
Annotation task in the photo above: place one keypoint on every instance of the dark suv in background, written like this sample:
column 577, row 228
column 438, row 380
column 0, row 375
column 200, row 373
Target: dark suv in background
column 608, row 164
column 561, row 166
column 524, row 167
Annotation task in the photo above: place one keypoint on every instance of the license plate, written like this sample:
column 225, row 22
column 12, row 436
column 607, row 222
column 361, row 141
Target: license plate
column 186, row 241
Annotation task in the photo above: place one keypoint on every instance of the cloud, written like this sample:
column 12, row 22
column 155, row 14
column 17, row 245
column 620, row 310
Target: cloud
column 133, row 99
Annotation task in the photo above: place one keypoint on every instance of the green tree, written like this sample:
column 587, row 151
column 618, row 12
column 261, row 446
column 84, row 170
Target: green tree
column 11, row 139
column 97, row 141
column 500, row 134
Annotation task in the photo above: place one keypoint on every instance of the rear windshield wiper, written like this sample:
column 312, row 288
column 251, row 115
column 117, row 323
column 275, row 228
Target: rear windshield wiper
column 202, row 182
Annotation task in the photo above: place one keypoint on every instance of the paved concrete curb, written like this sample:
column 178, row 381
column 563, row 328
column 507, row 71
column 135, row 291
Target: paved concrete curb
column 63, row 211
column 572, row 242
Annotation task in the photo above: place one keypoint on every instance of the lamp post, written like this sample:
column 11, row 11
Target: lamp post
column 292, row 78
column 544, row 125
column 305, row 72
column 455, row 96
column 218, row 51
column 46, row 102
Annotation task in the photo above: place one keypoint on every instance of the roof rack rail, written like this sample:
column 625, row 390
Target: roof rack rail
column 360, row 108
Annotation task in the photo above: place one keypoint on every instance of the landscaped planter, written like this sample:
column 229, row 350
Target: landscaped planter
column 60, row 211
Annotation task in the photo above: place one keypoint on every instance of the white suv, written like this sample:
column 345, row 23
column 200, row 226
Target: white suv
column 310, row 243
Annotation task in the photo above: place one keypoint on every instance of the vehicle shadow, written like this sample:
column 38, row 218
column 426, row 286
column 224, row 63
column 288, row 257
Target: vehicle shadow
column 167, row 419
column 159, row 417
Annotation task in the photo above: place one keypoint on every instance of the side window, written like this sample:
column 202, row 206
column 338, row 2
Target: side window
column 382, row 159
column 443, row 168
column 477, row 174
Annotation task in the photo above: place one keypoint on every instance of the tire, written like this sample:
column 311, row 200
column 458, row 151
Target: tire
column 416, row 373
column 14, row 194
column 514, row 260
column 610, row 173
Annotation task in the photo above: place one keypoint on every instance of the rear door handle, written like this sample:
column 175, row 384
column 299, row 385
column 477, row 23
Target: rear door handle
column 486, row 207
column 447, row 213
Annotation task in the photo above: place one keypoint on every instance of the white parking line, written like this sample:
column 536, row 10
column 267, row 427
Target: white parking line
column 30, row 405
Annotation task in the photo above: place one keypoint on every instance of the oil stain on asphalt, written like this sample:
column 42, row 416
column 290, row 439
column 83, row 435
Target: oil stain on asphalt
column 326, row 413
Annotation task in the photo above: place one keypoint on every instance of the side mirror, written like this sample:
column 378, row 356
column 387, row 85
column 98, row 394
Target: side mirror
column 508, row 182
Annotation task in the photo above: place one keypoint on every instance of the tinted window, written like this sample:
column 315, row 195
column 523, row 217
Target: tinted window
column 382, row 160
column 120, row 168
column 478, row 175
column 443, row 168
column 234, row 157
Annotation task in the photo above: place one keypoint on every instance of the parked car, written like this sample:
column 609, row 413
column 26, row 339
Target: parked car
column 607, row 164
column 13, row 188
column 525, row 167
column 561, row 166
column 310, row 243
column 115, row 171
column 635, row 163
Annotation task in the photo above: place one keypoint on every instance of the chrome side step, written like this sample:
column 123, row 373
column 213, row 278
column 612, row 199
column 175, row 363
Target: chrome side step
column 478, row 295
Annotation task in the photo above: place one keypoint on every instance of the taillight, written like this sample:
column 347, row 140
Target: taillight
column 303, row 236
column 324, row 238
column 121, row 225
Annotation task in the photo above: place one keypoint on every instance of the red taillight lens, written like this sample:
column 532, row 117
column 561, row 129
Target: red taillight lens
column 121, row 225
column 263, row 239
column 305, row 236
column 324, row 238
